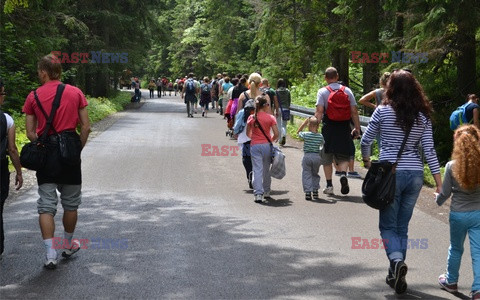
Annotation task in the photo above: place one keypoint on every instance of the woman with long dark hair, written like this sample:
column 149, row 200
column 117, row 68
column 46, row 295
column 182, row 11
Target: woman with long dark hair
column 404, row 110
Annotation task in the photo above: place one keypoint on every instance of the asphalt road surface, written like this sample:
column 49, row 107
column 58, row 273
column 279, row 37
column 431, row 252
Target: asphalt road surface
column 165, row 222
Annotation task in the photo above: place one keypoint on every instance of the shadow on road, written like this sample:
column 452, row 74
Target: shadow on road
column 173, row 251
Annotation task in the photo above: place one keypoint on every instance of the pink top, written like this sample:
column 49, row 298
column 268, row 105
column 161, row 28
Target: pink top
column 66, row 117
column 267, row 121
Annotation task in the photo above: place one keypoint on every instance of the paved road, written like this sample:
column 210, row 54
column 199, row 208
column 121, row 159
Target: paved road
column 186, row 226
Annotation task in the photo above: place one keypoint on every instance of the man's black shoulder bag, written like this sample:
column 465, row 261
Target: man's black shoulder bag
column 34, row 154
column 378, row 188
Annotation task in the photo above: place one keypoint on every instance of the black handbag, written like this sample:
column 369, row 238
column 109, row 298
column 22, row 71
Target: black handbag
column 34, row 154
column 378, row 188
column 70, row 147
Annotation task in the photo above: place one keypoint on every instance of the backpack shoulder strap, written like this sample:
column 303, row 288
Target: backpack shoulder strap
column 3, row 135
column 329, row 89
column 342, row 88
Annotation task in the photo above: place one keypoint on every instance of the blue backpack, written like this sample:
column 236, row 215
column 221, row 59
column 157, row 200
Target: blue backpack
column 458, row 117
column 190, row 86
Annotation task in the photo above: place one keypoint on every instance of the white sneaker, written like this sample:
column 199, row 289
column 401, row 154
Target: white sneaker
column 74, row 249
column 259, row 198
column 328, row 190
column 266, row 195
column 50, row 264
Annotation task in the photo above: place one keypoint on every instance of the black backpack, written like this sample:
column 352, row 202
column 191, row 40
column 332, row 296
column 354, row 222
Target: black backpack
column 3, row 136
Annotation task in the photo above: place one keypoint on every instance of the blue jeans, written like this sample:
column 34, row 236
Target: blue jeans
column 462, row 223
column 395, row 218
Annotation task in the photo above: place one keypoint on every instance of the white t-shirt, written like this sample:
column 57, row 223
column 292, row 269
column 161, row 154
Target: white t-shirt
column 323, row 93
column 9, row 121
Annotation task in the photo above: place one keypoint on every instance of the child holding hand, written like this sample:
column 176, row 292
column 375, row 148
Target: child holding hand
column 313, row 141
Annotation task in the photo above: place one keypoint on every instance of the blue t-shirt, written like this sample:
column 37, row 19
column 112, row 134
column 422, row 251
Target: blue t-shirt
column 469, row 111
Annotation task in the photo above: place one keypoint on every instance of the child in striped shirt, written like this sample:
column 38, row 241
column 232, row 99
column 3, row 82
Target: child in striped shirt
column 313, row 142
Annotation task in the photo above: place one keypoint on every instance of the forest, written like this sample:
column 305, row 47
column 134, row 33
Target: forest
column 292, row 39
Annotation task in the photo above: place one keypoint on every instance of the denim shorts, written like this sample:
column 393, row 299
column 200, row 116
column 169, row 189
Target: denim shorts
column 70, row 195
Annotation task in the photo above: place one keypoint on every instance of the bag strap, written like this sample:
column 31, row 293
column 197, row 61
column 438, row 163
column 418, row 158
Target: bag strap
column 261, row 129
column 399, row 155
column 279, row 102
column 55, row 105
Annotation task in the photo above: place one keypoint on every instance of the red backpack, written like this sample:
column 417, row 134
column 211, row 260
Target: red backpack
column 338, row 108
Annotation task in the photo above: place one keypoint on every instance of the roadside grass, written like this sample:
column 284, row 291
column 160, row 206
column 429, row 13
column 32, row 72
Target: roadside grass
column 98, row 109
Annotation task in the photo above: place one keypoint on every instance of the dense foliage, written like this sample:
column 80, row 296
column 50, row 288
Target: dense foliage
column 292, row 39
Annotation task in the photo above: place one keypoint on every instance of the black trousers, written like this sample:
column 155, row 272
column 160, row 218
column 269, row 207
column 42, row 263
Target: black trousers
column 4, row 189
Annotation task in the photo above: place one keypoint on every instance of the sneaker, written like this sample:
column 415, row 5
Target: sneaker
column 353, row 174
column 449, row 287
column 74, row 249
column 50, row 264
column 315, row 194
column 283, row 141
column 390, row 280
column 338, row 173
column 399, row 273
column 328, row 190
column 258, row 198
column 344, row 182
column 250, row 180
column 475, row 294
column 308, row 196
column 266, row 195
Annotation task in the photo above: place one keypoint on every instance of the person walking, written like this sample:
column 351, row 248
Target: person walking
column 7, row 147
column 284, row 100
column 240, row 133
column 254, row 81
column 158, row 83
column 205, row 97
column 189, row 94
column 258, row 130
column 151, row 88
column 313, row 142
column 336, row 106
column 405, row 111
column 56, row 175
column 462, row 182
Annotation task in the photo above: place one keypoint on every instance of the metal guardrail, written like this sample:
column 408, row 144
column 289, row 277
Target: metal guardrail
column 305, row 112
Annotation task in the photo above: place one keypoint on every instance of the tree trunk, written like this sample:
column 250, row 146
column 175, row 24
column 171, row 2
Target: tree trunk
column 466, row 62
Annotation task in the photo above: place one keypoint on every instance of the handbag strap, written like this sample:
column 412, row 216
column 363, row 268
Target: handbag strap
column 402, row 147
column 55, row 105
column 261, row 129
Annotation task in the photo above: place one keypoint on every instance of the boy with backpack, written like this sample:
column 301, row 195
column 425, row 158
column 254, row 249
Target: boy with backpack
column 313, row 142
column 469, row 113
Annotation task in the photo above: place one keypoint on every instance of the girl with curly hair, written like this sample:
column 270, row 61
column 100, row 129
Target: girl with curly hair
column 462, row 182
column 405, row 110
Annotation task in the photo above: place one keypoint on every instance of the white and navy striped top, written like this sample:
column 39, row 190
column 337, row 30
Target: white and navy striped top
column 383, row 122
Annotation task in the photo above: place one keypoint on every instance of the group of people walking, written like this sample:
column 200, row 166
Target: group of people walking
column 257, row 116
column 402, row 111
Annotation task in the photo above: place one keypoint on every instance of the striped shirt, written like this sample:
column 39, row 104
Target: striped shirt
column 313, row 141
column 383, row 122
